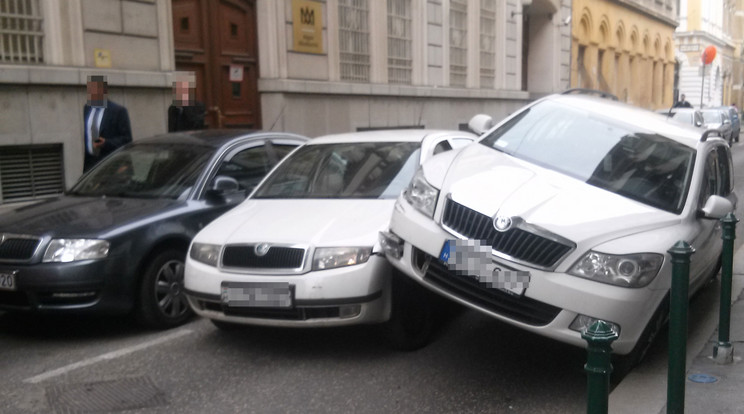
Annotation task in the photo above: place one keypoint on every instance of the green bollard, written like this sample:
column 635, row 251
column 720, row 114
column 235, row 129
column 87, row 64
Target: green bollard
column 723, row 352
column 680, row 252
column 598, row 365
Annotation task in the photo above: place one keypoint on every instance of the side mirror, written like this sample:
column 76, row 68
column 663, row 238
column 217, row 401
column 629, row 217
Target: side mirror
column 225, row 184
column 716, row 207
column 480, row 124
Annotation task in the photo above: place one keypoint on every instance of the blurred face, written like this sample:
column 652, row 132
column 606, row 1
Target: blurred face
column 96, row 93
column 181, row 93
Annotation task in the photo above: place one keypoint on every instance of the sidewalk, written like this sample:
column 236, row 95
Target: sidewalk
column 644, row 390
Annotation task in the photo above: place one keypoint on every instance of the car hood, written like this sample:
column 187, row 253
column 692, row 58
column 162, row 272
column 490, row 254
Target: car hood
column 308, row 222
column 73, row 216
column 494, row 183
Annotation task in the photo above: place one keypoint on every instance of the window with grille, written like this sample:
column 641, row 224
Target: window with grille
column 400, row 41
column 487, row 43
column 353, row 19
column 21, row 33
column 458, row 42
column 28, row 172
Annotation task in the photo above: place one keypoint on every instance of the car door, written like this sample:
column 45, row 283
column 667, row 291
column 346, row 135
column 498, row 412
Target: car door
column 717, row 180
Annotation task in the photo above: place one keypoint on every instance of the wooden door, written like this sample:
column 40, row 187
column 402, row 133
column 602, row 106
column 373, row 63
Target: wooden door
column 211, row 38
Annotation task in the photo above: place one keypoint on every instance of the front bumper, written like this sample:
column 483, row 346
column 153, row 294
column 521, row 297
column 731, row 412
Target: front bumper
column 550, row 304
column 76, row 287
column 343, row 296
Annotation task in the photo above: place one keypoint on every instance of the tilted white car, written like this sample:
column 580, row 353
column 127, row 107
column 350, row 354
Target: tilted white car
column 562, row 215
column 302, row 250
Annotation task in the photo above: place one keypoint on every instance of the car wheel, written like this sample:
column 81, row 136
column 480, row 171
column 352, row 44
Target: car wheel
column 162, row 301
column 412, row 317
column 624, row 363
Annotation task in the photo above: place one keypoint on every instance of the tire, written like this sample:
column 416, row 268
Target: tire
column 412, row 317
column 623, row 364
column 162, row 302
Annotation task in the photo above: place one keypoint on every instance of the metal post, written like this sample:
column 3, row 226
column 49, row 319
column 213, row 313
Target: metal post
column 702, row 86
column 680, row 252
column 598, row 365
column 723, row 352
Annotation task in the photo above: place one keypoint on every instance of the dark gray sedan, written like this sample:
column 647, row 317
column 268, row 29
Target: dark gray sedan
column 116, row 242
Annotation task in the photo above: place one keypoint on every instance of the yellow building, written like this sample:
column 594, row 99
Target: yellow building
column 625, row 48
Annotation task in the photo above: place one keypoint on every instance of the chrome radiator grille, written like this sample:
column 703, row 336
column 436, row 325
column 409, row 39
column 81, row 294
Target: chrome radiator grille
column 516, row 244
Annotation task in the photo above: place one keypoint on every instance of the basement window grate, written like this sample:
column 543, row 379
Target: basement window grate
column 28, row 172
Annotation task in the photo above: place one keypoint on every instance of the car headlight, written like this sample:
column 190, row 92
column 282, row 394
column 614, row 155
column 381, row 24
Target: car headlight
column 331, row 257
column 70, row 250
column 630, row 270
column 421, row 195
column 205, row 253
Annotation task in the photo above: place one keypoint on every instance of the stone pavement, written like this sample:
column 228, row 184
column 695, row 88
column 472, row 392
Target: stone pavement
column 710, row 387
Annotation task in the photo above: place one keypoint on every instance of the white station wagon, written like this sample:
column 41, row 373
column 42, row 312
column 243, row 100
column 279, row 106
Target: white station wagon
column 562, row 215
column 302, row 251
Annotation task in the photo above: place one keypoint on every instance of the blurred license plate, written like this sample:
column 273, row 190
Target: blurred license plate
column 473, row 259
column 257, row 295
column 7, row 281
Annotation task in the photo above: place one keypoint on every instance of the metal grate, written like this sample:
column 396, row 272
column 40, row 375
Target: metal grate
column 400, row 40
column 353, row 19
column 28, row 172
column 520, row 308
column 458, row 42
column 17, row 247
column 21, row 34
column 516, row 244
column 244, row 256
column 487, row 43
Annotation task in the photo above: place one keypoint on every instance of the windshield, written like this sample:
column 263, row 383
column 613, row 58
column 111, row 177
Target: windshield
column 712, row 117
column 146, row 171
column 645, row 167
column 345, row 170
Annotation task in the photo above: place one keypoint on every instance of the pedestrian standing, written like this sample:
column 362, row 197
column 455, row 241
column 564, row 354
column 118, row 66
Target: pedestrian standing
column 105, row 123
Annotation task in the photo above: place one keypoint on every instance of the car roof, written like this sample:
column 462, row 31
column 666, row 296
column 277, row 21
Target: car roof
column 633, row 116
column 387, row 135
column 211, row 137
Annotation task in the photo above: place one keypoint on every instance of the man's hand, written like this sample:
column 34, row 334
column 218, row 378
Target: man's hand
column 98, row 143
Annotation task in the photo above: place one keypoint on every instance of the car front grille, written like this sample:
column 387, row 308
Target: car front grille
column 13, row 247
column 515, row 244
column 278, row 257
column 513, row 306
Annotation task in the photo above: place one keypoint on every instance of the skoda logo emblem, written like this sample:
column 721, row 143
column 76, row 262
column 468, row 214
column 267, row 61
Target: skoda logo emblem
column 261, row 249
column 502, row 223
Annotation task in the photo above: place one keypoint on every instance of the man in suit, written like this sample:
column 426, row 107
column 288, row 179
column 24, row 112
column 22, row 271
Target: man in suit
column 106, row 124
column 185, row 113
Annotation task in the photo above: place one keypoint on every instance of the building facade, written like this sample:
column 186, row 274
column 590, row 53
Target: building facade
column 307, row 66
column 625, row 47
column 703, row 24
column 48, row 48
column 406, row 63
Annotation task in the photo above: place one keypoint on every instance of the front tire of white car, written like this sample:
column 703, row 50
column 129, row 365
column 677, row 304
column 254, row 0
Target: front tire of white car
column 623, row 364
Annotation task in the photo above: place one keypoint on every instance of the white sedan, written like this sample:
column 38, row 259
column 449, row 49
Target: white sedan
column 563, row 214
column 302, row 251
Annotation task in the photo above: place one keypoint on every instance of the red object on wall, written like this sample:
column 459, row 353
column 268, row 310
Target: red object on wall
column 709, row 54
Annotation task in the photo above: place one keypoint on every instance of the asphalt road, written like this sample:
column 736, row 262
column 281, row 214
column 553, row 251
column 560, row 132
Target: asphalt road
column 81, row 365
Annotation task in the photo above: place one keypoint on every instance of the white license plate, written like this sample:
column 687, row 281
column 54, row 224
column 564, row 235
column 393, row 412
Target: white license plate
column 473, row 259
column 7, row 281
column 257, row 295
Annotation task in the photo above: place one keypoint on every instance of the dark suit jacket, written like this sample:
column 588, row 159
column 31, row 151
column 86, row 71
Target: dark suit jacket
column 115, row 129
column 185, row 118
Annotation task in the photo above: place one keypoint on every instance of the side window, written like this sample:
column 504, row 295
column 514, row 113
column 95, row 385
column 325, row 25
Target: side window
column 247, row 167
column 711, row 177
column 724, row 167
column 442, row 147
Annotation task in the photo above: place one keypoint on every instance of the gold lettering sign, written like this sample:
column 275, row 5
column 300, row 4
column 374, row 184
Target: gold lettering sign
column 307, row 26
column 102, row 58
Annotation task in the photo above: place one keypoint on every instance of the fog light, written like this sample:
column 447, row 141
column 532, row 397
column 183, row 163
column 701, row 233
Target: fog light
column 391, row 244
column 345, row 312
column 582, row 322
column 69, row 295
